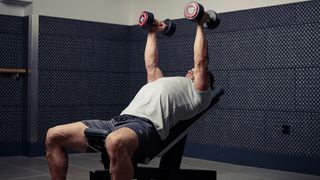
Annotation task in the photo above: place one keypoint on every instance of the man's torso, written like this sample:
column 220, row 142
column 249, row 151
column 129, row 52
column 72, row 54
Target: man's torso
column 167, row 101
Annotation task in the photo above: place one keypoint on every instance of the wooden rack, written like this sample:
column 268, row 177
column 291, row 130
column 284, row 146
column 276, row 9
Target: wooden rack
column 12, row 71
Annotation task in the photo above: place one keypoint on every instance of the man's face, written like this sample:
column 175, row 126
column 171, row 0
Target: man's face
column 190, row 74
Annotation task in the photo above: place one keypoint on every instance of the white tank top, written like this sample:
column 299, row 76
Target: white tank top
column 167, row 101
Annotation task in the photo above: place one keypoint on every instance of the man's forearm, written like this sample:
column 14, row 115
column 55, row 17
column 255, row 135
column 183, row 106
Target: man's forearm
column 151, row 58
column 200, row 47
column 151, row 51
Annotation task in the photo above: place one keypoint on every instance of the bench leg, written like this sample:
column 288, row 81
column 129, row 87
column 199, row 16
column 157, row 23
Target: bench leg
column 197, row 174
column 100, row 175
column 169, row 168
column 171, row 160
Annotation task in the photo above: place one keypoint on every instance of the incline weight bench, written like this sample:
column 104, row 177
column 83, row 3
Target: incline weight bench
column 171, row 152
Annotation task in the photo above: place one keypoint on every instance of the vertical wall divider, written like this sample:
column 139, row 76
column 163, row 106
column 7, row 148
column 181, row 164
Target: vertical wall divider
column 32, row 85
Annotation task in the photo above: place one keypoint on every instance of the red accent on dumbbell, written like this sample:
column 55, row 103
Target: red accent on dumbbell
column 191, row 15
column 143, row 19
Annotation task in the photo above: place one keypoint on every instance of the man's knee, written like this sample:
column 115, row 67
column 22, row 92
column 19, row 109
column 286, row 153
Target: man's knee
column 115, row 146
column 55, row 135
column 122, row 143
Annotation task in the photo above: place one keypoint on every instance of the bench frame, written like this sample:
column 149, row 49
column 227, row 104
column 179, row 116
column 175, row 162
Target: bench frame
column 171, row 152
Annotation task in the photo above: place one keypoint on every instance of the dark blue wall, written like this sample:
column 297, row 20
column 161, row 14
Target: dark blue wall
column 13, row 54
column 83, row 71
column 266, row 59
column 268, row 62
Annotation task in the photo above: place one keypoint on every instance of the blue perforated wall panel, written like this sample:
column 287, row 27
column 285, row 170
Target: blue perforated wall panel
column 270, row 71
column 13, row 49
column 266, row 59
column 268, row 62
column 83, row 71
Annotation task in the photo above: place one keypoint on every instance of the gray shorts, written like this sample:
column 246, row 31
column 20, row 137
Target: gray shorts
column 149, row 139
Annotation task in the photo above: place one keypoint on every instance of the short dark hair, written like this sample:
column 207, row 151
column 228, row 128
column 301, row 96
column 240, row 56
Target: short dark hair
column 211, row 79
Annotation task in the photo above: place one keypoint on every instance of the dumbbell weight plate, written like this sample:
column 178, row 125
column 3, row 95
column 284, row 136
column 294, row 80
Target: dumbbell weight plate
column 146, row 19
column 171, row 27
column 193, row 11
column 213, row 21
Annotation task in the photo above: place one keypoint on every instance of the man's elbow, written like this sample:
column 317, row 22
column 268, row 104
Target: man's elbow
column 150, row 67
column 201, row 63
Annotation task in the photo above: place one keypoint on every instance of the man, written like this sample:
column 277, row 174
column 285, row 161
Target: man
column 158, row 106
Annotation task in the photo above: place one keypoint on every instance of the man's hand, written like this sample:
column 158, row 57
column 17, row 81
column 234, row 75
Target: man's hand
column 157, row 26
column 205, row 18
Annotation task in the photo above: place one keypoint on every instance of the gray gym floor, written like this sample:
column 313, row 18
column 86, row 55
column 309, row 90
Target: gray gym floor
column 26, row 168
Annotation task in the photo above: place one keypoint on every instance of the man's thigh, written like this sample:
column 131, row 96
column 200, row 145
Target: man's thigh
column 139, row 135
column 148, row 138
column 72, row 136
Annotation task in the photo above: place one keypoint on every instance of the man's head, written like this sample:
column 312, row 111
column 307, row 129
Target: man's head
column 190, row 75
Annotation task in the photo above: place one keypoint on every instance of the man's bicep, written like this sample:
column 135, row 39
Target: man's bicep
column 201, row 77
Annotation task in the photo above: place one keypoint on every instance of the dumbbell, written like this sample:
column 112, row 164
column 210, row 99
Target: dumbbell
column 146, row 20
column 195, row 11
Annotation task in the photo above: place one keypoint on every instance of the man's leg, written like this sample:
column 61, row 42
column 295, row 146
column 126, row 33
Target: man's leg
column 121, row 145
column 60, row 138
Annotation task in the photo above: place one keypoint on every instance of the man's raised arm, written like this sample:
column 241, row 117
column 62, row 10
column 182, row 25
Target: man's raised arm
column 151, row 52
column 201, row 75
